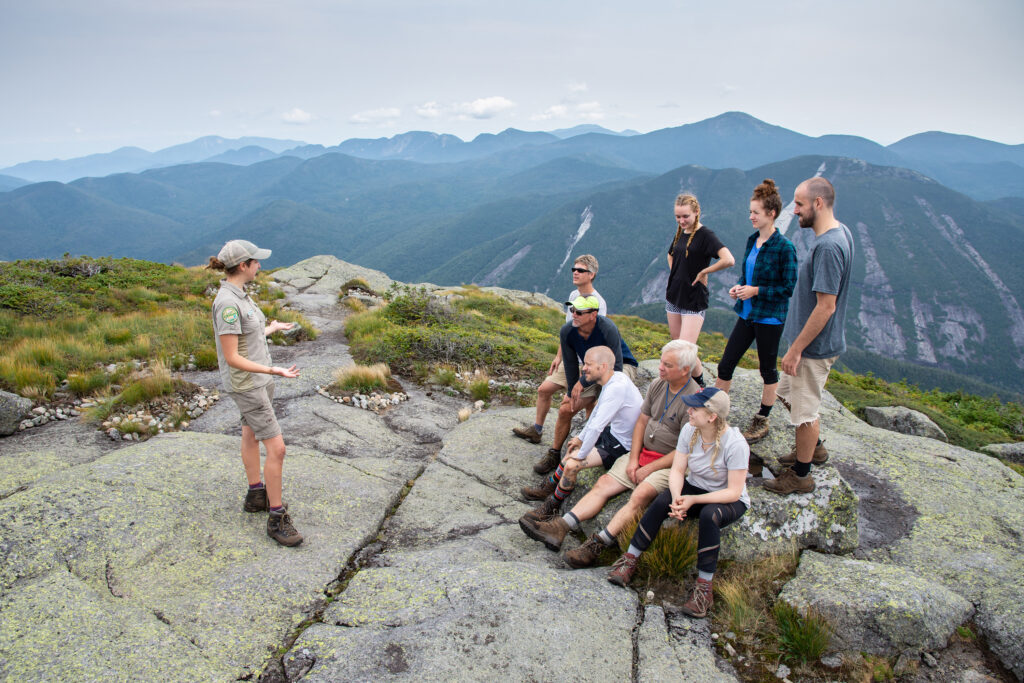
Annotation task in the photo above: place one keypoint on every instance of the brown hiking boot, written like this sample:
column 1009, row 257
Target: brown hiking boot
column 820, row 456
column 279, row 528
column 546, row 488
column 757, row 430
column 549, row 507
column 527, row 432
column 551, row 532
column 623, row 570
column 256, row 500
column 788, row 482
column 549, row 461
column 701, row 600
column 755, row 465
column 587, row 554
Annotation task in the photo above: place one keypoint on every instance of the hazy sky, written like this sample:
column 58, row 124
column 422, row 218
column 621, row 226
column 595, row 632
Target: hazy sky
column 83, row 76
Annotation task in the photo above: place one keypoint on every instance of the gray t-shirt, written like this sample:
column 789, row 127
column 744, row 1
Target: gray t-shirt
column 235, row 313
column 733, row 454
column 827, row 269
column 664, row 424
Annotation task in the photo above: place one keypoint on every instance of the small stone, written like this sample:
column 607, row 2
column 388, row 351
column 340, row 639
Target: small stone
column 126, row 437
column 730, row 649
column 929, row 659
column 732, row 636
column 783, row 671
column 714, row 636
column 39, row 410
column 113, row 434
column 650, row 595
column 832, row 661
column 478, row 406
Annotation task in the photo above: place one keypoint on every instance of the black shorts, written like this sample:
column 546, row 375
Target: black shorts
column 609, row 448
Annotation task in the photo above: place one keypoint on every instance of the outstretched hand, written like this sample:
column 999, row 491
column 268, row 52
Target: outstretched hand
column 290, row 373
column 278, row 326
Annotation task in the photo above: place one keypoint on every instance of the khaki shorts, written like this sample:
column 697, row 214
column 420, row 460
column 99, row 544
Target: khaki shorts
column 257, row 411
column 659, row 479
column 558, row 377
column 804, row 391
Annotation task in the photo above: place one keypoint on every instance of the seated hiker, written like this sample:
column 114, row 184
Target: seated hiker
column 607, row 435
column 714, row 492
column 587, row 330
column 645, row 471
column 584, row 270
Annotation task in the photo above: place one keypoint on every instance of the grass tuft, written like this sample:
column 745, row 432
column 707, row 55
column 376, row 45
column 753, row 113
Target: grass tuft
column 361, row 378
column 671, row 555
column 802, row 637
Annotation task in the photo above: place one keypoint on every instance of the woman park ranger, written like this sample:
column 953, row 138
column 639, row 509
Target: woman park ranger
column 689, row 263
column 241, row 331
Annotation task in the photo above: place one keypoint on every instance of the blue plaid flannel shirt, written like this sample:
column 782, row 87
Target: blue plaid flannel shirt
column 775, row 272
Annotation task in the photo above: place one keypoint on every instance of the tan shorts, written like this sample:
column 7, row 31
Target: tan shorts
column 257, row 411
column 804, row 391
column 659, row 479
column 558, row 377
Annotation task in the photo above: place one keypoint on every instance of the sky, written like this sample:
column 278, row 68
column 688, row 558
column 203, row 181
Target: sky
column 80, row 77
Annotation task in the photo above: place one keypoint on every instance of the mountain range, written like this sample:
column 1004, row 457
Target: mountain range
column 936, row 280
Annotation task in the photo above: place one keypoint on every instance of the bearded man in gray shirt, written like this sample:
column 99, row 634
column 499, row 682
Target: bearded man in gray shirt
column 815, row 329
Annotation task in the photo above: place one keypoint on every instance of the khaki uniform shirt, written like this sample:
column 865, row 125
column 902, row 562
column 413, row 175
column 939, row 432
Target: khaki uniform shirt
column 235, row 313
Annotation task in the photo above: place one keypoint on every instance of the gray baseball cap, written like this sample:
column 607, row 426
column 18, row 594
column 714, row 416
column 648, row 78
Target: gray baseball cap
column 239, row 251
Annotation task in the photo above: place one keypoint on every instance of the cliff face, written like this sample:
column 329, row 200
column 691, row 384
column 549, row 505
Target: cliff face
column 138, row 558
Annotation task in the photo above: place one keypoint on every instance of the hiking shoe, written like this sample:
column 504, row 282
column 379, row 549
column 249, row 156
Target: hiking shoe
column 757, row 430
column 587, row 554
column 548, row 508
column 279, row 528
column 820, row 456
column 546, row 488
column 528, row 432
column 551, row 532
column 256, row 500
column 549, row 461
column 755, row 465
column 788, row 482
column 623, row 570
column 701, row 600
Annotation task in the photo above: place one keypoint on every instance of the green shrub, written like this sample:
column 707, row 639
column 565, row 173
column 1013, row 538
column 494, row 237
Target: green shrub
column 361, row 378
column 480, row 390
column 84, row 384
column 802, row 638
column 121, row 335
column 206, row 358
column 446, row 377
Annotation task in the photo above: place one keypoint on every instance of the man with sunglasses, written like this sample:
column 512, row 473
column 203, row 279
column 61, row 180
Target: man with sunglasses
column 584, row 270
column 587, row 330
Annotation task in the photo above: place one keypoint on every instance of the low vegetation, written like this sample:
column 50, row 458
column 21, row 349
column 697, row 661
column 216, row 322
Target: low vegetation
column 363, row 379
column 71, row 319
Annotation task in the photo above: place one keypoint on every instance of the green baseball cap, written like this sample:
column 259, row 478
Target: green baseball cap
column 585, row 303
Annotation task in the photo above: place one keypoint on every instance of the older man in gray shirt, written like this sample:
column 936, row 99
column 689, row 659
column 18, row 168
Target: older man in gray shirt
column 815, row 329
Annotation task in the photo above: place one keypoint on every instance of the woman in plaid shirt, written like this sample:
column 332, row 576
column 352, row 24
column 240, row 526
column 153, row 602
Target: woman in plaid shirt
column 767, row 280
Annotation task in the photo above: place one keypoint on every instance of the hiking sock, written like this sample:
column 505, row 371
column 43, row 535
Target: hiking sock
column 539, row 428
column 802, row 469
column 279, row 508
column 253, row 487
column 699, row 379
column 556, row 476
column 572, row 520
column 605, row 537
column 634, row 551
column 707, row 576
column 561, row 494
column 765, row 410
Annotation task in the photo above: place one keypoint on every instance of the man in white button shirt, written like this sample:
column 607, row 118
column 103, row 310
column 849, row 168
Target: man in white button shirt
column 608, row 433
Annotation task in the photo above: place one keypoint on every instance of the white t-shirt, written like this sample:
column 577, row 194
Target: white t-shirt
column 734, row 454
column 602, row 310
column 618, row 407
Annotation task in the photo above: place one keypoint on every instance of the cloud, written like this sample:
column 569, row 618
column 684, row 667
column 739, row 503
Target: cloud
column 727, row 89
column 557, row 111
column 297, row 117
column 483, row 108
column 215, row 113
column 591, row 111
column 428, row 110
column 382, row 115
column 577, row 87
column 668, row 105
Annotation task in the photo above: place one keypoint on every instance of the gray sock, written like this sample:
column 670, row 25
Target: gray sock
column 572, row 520
column 634, row 551
column 605, row 537
column 707, row 576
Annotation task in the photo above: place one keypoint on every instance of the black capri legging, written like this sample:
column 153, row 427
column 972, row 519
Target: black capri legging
column 743, row 335
column 713, row 518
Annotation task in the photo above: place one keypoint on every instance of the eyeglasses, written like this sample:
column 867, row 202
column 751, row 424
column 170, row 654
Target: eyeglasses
column 581, row 270
column 576, row 311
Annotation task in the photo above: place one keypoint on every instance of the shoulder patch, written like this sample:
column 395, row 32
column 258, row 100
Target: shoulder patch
column 230, row 315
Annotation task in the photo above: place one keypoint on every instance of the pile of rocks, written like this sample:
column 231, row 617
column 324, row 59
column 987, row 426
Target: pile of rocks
column 374, row 401
column 158, row 416
column 43, row 414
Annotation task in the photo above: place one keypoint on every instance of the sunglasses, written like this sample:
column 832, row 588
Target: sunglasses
column 581, row 270
column 576, row 311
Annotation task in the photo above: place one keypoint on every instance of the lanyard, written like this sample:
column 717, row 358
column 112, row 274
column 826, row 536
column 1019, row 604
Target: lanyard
column 668, row 404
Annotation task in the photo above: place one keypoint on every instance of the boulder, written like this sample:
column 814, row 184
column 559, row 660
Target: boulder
column 905, row 421
column 1013, row 452
column 873, row 607
column 326, row 274
column 12, row 409
column 676, row 648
